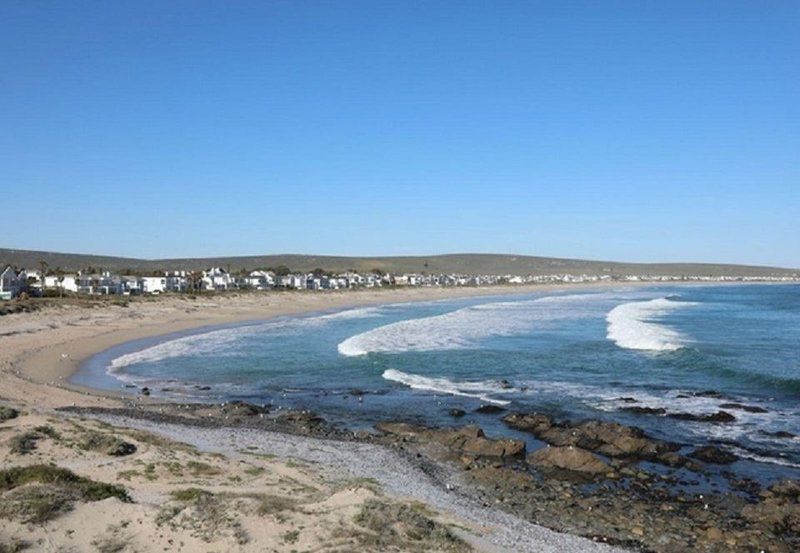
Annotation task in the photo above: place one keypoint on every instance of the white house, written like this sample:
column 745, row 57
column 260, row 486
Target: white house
column 217, row 278
column 261, row 280
column 292, row 281
column 64, row 282
column 154, row 284
column 176, row 281
column 11, row 284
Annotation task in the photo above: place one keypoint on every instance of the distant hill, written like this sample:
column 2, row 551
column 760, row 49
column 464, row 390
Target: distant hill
column 474, row 264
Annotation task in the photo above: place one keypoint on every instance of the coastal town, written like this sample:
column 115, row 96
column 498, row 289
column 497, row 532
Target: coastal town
column 44, row 281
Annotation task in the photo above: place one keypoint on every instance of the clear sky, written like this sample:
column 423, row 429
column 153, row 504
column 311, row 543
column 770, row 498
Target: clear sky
column 638, row 131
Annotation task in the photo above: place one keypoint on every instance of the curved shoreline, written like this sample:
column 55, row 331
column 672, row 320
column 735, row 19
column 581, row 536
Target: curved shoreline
column 42, row 350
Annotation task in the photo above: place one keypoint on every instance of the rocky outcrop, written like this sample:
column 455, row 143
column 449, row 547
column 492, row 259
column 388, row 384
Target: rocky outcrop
column 645, row 410
column 471, row 440
column 468, row 440
column 779, row 509
column 489, row 409
column 606, row 438
column 572, row 459
column 746, row 408
column 713, row 454
column 719, row 417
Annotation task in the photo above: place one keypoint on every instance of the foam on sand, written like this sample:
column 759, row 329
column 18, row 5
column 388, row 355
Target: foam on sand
column 633, row 326
column 479, row 390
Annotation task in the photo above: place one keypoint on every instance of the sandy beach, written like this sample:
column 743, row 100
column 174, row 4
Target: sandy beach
column 90, row 470
column 41, row 349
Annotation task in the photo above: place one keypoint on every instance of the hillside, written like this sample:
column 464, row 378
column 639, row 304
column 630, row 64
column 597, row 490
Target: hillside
column 449, row 263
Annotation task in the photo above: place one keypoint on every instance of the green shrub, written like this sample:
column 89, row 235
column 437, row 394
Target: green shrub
column 39, row 493
column 7, row 413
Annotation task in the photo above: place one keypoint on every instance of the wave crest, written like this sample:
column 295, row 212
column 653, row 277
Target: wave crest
column 478, row 390
column 631, row 325
column 461, row 328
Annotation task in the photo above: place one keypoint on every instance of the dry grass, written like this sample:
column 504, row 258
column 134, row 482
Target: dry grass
column 397, row 526
column 206, row 515
column 25, row 442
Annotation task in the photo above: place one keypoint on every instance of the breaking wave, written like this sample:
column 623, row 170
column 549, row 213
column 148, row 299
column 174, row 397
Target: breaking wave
column 464, row 327
column 632, row 326
column 478, row 390
column 225, row 340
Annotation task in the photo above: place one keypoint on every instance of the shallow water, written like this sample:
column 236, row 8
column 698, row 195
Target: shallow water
column 587, row 354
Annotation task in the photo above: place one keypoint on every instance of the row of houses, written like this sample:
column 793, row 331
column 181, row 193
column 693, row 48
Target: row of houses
column 13, row 282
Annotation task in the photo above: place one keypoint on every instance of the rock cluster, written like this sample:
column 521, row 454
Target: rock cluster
column 606, row 438
column 469, row 440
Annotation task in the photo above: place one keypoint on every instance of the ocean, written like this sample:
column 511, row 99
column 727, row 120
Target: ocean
column 577, row 353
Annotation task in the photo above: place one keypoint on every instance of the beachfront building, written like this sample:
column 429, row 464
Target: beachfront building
column 12, row 283
column 154, row 284
column 176, row 281
column 295, row 282
column 217, row 278
column 261, row 280
column 65, row 283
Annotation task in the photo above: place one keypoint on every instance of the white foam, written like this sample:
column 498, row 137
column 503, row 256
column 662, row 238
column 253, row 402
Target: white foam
column 462, row 328
column 226, row 340
column 632, row 325
column 478, row 390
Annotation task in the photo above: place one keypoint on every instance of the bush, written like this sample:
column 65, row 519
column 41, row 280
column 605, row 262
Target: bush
column 107, row 443
column 7, row 413
column 39, row 493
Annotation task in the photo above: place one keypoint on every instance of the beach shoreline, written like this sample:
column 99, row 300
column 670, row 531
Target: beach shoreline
column 42, row 349
column 70, row 337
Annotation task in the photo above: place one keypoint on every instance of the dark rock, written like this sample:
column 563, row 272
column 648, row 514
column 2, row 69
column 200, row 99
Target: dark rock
column 779, row 510
column 719, row 416
column 781, row 434
column 122, row 448
column 300, row 419
column 505, row 384
column 572, row 459
column 672, row 459
column 489, row 409
column 713, row 454
column 740, row 407
column 242, row 409
column 607, row 438
column 708, row 393
column 627, row 400
column 203, row 388
column 457, row 413
column 535, row 423
column 645, row 410
column 145, row 391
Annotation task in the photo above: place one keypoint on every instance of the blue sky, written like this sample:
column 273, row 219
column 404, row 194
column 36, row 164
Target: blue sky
column 639, row 131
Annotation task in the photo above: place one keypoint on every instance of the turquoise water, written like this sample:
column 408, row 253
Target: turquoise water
column 575, row 354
